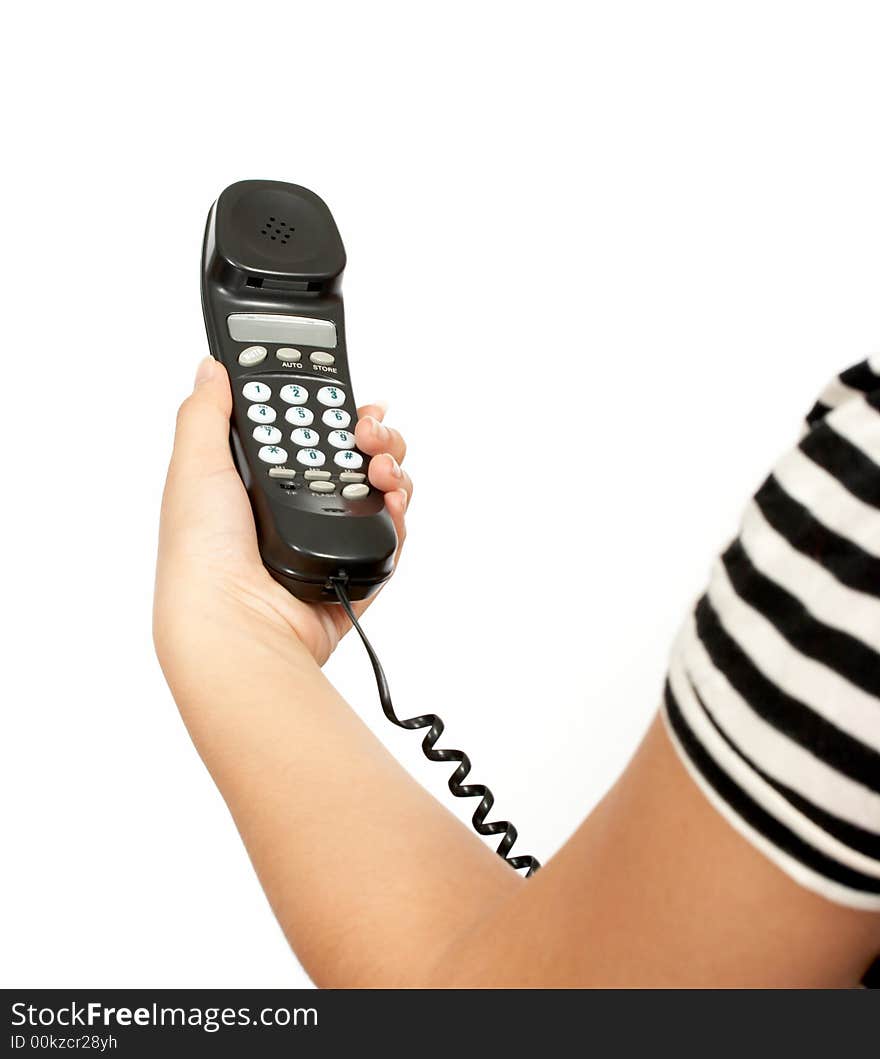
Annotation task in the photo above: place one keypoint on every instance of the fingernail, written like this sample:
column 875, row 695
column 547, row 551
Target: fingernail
column 204, row 371
column 380, row 431
column 395, row 466
column 381, row 404
column 404, row 498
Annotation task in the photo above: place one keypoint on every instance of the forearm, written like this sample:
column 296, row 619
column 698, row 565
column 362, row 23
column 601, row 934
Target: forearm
column 370, row 878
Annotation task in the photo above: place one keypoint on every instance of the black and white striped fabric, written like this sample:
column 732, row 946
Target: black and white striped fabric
column 773, row 695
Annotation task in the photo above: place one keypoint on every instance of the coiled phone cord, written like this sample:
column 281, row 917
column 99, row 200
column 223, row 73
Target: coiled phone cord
column 435, row 728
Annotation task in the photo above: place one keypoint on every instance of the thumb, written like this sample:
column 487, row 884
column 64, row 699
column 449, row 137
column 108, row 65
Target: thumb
column 201, row 440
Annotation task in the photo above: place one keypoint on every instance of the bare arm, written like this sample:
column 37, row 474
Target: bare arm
column 373, row 882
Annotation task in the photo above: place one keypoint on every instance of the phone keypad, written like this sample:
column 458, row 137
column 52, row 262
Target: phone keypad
column 326, row 458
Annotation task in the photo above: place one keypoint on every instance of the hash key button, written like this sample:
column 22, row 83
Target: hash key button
column 349, row 459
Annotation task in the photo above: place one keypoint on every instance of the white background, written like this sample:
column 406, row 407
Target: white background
column 602, row 257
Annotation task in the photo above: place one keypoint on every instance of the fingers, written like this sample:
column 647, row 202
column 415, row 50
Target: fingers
column 387, row 474
column 201, row 441
column 395, row 504
column 388, row 450
column 376, row 409
column 373, row 437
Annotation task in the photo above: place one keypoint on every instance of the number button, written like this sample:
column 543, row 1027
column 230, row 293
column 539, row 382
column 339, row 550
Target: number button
column 300, row 417
column 256, row 391
column 310, row 457
column 336, row 417
column 261, row 413
column 341, row 439
column 349, row 459
column 292, row 393
column 272, row 454
column 331, row 396
column 306, row 437
column 267, row 435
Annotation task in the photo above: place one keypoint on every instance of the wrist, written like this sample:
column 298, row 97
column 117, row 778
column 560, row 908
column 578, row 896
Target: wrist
column 217, row 645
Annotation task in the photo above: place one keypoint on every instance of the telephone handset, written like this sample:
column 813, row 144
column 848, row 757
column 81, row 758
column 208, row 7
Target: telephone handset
column 271, row 269
column 272, row 266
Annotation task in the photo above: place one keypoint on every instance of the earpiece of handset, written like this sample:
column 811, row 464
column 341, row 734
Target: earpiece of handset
column 272, row 265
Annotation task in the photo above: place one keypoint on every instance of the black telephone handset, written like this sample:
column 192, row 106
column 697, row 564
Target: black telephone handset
column 271, row 276
column 271, row 270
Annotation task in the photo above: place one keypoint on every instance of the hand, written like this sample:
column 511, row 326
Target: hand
column 209, row 572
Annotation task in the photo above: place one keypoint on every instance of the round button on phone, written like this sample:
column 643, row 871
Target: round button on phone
column 261, row 413
column 300, row 417
column 288, row 356
column 304, row 436
column 256, row 391
column 310, row 457
column 331, row 396
column 336, row 417
column 272, row 454
column 349, row 459
column 341, row 439
column 252, row 355
column 293, row 393
column 267, row 435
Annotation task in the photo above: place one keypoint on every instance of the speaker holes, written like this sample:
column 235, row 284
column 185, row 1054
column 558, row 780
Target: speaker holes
column 277, row 230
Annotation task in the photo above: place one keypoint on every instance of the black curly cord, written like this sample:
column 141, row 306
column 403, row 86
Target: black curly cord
column 429, row 747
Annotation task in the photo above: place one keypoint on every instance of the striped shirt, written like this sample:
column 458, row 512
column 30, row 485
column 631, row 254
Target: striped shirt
column 773, row 693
